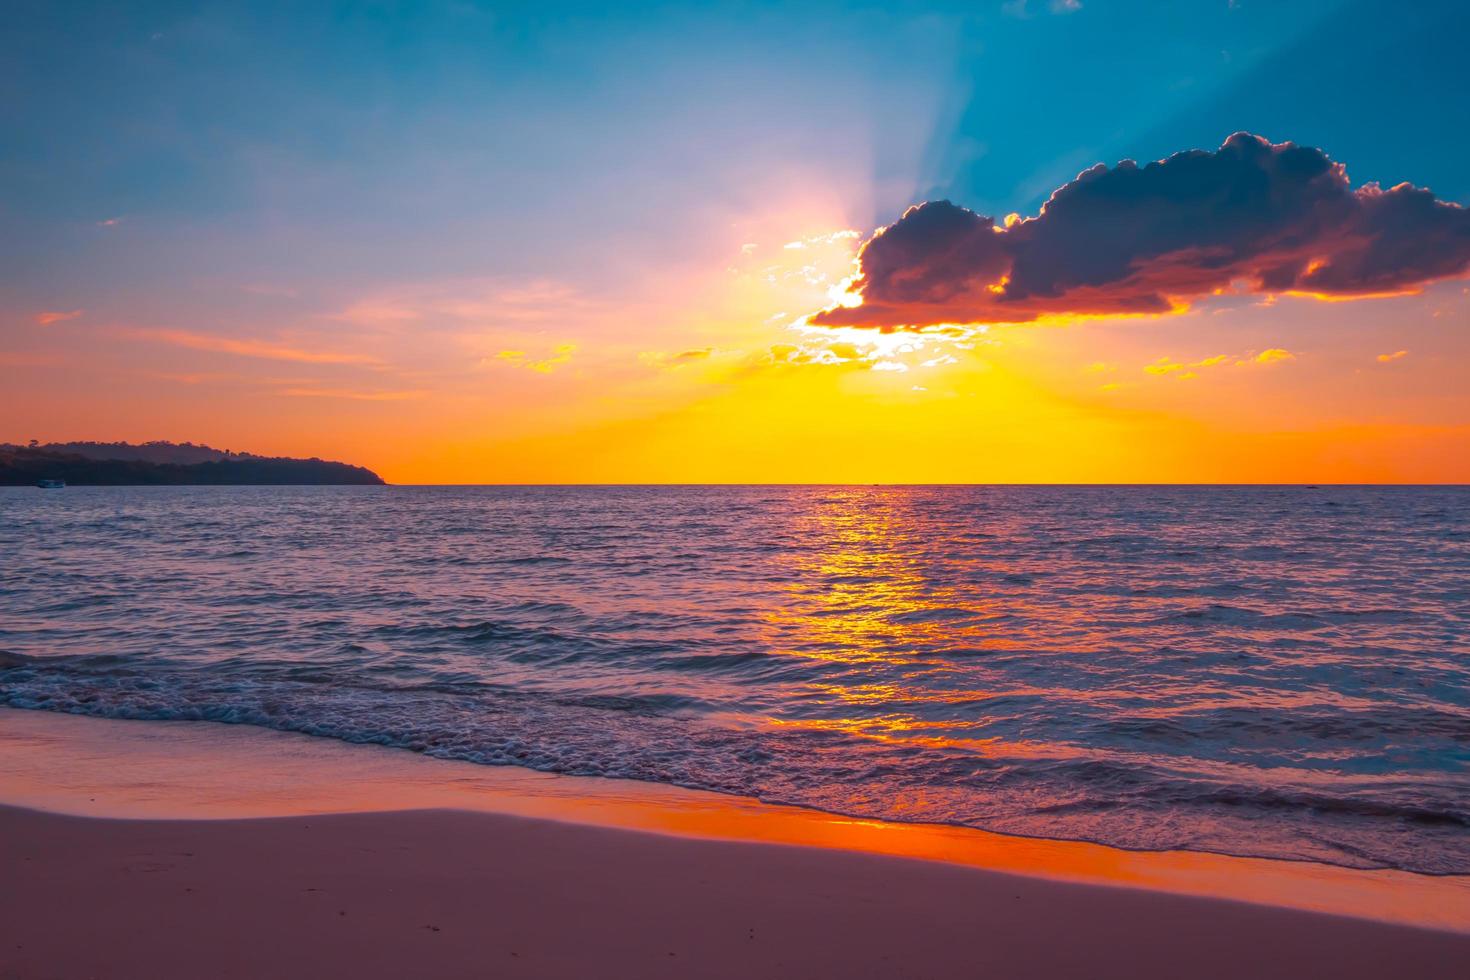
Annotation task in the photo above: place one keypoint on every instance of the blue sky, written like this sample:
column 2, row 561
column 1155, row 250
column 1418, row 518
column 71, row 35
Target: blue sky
column 380, row 129
column 1382, row 86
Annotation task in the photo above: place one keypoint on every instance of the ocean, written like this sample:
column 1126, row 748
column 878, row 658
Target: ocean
column 1270, row 671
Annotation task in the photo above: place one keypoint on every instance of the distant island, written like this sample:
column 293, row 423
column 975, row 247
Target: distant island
column 166, row 464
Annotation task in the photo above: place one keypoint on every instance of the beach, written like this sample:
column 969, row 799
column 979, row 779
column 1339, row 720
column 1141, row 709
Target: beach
column 784, row 491
column 214, row 853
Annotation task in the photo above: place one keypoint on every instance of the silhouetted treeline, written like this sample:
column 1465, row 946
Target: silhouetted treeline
column 24, row 466
column 156, row 451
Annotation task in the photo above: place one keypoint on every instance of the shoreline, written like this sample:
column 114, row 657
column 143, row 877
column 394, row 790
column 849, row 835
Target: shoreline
column 208, row 771
column 173, row 850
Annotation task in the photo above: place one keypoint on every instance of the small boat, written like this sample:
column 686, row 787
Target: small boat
column 51, row 484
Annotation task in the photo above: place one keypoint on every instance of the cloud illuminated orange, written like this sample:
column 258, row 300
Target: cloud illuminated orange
column 250, row 348
column 1253, row 215
column 351, row 394
column 49, row 317
column 559, row 355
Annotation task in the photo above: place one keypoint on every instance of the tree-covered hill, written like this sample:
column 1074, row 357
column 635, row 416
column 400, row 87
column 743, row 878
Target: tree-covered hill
column 25, row 465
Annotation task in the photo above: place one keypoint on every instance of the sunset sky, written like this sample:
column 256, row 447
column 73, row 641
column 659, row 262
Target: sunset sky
column 465, row 242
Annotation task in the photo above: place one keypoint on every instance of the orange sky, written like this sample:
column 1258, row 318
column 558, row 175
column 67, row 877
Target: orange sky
column 708, row 374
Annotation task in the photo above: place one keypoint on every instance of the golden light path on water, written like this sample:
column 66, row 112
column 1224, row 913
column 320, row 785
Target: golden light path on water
column 864, row 598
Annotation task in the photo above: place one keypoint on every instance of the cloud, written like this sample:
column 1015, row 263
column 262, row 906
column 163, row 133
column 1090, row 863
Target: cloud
column 865, row 350
column 1022, row 8
column 26, row 359
column 662, row 359
column 1185, row 371
column 478, row 301
column 1165, row 366
column 250, row 348
column 1390, row 358
column 560, row 354
column 831, row 238
column 1253, row 215
column 49, row 317
column 266, row 289
column 352, row 394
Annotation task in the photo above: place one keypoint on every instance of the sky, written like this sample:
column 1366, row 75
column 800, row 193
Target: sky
column 466, row 242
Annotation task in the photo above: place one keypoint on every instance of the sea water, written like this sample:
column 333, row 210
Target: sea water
column 1270, row 671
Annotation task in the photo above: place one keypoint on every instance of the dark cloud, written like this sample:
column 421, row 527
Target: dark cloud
column 1142, row 239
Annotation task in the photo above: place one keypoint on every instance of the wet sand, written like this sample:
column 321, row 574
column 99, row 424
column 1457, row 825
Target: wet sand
column 537, row 890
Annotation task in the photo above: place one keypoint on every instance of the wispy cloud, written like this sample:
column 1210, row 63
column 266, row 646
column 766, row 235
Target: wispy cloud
column 477, row 301
column 353, row 394
column 1390, row 358
column 1165, row 365
column 378, row 313
column 266, row 289
column 1186, row 370
column 26, row 359
column 828, row 239
column 48, row 317
column 198, row 377
column 663, row 359
column 1022, row 8
column 559, row 355
column 245, row 347
column 1273, row 354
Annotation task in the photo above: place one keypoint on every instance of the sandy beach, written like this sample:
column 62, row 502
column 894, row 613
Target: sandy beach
column 451, row 894
column 224, row 888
